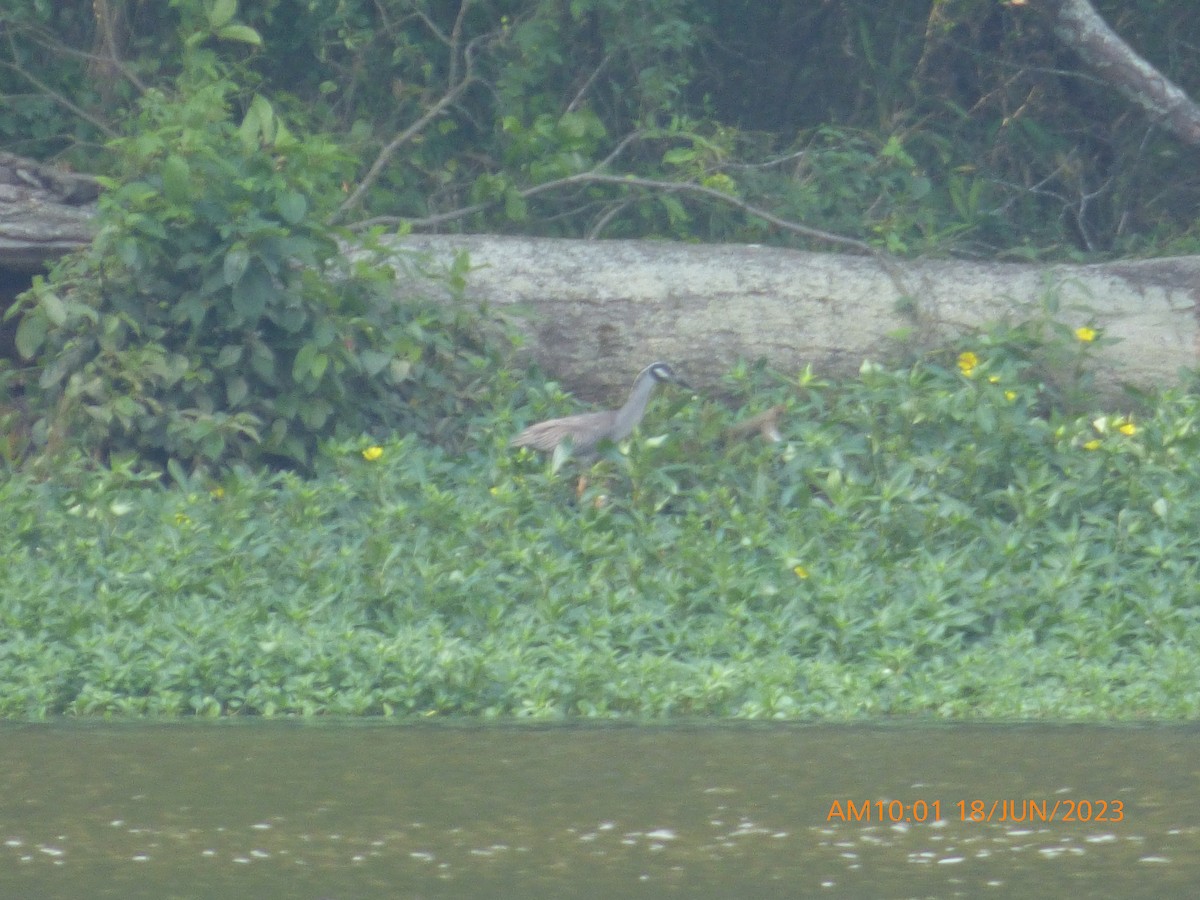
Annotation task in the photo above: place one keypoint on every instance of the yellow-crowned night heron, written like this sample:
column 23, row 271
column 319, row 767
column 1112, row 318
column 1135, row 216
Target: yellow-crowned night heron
column 587, row 430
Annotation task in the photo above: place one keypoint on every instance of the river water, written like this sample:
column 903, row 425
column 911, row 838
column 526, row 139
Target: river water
column 342, row 809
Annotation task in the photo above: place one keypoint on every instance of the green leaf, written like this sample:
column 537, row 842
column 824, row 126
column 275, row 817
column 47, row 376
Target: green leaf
column 236, row 390
column 284, row 139
column 236, row 261
column 315, row 414
column 252, row 292
column 515, row 207
column 290, row 318
column 190, row 309
column 176, row 471
column 55, row 309
column 319, row 364
column 292, row 207
column 303, row 362
column 374, row 361
column 150, row 226
column 243, row 34
column 129, row 252
column 678, row 155
column 126, row 408
column 675, row 210
column 213, row 445
column 31, row 333
column 230, row 354
column 212, row 283
column 221, row 13
column 258, row 125
column 176, row 176
column 324, row 332
column 262, row 361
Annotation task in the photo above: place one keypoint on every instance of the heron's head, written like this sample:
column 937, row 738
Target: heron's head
column 662, row 372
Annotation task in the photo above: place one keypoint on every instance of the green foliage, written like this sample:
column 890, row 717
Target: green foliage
column 925, row 540
column 1025, row 156
column 639, row 52
column 215, row 318
column 938, row 128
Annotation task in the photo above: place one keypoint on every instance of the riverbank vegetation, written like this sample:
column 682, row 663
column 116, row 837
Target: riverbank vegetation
column 927, row 540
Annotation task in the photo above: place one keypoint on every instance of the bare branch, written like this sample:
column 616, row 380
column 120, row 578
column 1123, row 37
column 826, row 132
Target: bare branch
column 617, row 150
column 591, row 79
column 596, row 175
column 686, row 187
column 669, row 187
column 455, row 37
column 453, row 92
column 598, row 228
column 396, row 143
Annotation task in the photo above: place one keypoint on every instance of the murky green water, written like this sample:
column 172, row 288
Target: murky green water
column 342, row 810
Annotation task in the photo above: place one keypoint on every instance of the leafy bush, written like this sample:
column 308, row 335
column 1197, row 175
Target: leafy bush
column 216, row 318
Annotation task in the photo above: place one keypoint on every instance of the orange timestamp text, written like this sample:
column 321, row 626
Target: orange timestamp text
column 1014, row 811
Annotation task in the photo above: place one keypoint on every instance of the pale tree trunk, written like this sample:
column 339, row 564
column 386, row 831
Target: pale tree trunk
column 1079, row 26
column 596, row 312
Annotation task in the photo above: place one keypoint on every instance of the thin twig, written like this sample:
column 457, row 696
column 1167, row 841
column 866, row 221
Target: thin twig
column 602, row 223
column 424, row 222
column 670, row 187
column 452, row 94
column 588, row 84
column 686, row 187
column 455, row 37
column 587, row 178
column 618, row 150
column 595, row 175
column 395, row 144
column 767, row 164
column 58, row 48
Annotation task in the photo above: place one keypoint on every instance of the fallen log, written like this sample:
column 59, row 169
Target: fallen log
column 45, row 213
column 595, row 311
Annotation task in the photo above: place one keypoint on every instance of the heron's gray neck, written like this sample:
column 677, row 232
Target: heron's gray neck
column 635, row 407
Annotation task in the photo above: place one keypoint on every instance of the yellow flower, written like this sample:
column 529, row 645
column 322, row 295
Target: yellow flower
column 1085, row 334
column 372, row 453
column 1128, row 428
column 1093, row 444
column 1010, row 396
column 967, row 361
column 993, row 379
column 800, row 571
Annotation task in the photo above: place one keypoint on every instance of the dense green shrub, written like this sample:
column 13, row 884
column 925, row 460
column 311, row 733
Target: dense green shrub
column 216, row 317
